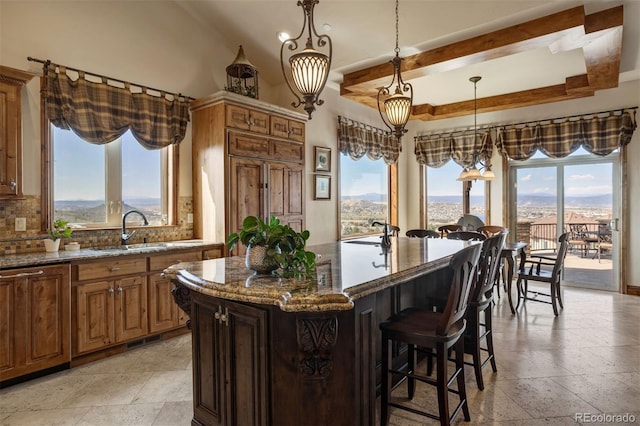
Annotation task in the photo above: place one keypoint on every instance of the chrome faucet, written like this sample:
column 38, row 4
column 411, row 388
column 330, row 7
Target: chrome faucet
column 125, row 237
column 386, row 241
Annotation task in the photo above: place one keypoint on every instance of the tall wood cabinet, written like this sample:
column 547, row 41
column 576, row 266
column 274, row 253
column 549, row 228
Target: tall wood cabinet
column 11, row 82
column 34, row 319
column 248, row 159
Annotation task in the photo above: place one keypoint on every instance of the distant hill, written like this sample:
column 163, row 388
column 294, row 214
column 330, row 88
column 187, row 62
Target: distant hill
column 530, row 200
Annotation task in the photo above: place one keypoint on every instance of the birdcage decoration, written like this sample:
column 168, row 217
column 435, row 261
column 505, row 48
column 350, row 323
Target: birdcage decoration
column 242, row 76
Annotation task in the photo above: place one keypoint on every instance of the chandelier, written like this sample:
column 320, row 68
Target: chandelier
column 473, row 172
column 309, row 68
column 396, row 107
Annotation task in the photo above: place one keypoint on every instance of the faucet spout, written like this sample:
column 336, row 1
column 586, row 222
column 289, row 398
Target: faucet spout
column 386, row 241
column 124, row 237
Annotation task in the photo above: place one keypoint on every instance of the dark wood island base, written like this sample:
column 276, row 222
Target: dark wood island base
column 284, row 352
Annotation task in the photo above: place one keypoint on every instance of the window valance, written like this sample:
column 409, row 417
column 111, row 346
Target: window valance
column 100, row 113
column 466, row 149
column 597, row 135
column 357, row 140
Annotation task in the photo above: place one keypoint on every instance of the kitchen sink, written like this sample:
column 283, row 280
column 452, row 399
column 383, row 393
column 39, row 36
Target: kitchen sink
column 152, row 246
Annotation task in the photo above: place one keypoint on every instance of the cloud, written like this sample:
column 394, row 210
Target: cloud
column 587, row 176
column 526, row 178
column 543, row 191
column 589, row 190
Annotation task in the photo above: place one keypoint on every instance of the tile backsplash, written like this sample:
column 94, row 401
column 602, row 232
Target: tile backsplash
column 31, row 240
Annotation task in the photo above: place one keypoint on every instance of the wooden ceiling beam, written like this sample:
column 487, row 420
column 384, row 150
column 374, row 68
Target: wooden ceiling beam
column 599, row 35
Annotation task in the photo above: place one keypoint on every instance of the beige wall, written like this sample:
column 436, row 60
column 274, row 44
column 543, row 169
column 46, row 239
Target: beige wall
column 162, row 47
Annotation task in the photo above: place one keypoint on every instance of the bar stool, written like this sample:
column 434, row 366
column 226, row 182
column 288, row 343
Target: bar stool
column 440, row 330
column 481, row 302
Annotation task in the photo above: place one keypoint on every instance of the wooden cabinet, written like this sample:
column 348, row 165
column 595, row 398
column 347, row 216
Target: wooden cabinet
column 288, row 129
column 164, row 313
column 112, row 307
column 242, row 170
column 229, row 349
column 34, row 319
column 11, row 83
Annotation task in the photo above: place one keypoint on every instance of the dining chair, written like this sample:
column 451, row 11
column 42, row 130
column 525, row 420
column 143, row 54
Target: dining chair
column 551, row 275
column 394, row 230
column 445, row 229
column 491, row 230
column 466, row 236
column 480, row 307
column 422, row 233
column 435, row 330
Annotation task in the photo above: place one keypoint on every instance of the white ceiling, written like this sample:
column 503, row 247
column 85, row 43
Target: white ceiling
column 363, row 34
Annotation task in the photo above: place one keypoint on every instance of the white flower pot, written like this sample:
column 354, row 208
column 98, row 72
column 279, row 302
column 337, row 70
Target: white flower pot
column 51, row 246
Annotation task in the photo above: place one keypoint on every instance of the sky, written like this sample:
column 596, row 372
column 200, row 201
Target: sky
column 79, row 168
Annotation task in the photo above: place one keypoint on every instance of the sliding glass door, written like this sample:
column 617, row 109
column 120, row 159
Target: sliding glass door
column 580, row 195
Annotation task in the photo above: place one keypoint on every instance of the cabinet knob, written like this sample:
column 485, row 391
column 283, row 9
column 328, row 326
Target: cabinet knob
column 111, row 291
column 13, row 185
column 119, row 290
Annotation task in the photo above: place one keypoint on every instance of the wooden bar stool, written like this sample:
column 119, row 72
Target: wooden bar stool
column 435, row 330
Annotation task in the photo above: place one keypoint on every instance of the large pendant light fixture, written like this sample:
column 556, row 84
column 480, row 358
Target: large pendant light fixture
column 473, row 173
column 395, row 109
column 309, row 68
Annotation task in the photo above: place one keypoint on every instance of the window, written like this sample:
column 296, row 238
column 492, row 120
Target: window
column 93, row 185
column 445, row 196
column 364, row 195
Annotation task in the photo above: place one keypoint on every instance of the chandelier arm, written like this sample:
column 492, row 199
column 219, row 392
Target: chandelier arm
column 298, row 102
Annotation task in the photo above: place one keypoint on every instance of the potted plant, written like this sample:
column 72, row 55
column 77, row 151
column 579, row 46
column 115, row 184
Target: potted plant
column 272, row 245
column 59, row 229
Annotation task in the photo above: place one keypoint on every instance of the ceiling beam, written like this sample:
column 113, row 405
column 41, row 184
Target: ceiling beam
column 599, row 35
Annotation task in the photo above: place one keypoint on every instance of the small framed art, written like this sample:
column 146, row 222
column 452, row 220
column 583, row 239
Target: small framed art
column 322, row 187
column 322, row 159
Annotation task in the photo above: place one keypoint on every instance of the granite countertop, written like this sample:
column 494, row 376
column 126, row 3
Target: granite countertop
column 66, row 256
column 346, row 271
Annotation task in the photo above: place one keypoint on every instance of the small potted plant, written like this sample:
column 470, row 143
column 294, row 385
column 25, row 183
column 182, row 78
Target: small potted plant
column 59, row 229
column 272, row 245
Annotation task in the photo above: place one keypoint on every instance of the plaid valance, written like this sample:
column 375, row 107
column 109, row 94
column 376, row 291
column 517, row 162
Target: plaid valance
column 357, row 140
column 100, row 113
column 436, row 150
column 597, row 135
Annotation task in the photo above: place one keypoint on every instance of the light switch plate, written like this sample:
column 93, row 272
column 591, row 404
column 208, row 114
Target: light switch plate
column 21, row 223
column 189, row 217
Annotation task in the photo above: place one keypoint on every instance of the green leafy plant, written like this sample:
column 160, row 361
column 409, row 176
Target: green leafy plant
column 59, row 229
column 284, row 245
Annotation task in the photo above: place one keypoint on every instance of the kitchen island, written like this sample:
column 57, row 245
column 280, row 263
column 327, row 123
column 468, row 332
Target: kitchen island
column 290, row 352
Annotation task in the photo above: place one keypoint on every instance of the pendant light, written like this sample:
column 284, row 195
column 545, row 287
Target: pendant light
column 309, row 68
column 395, row 108
column 473, row 173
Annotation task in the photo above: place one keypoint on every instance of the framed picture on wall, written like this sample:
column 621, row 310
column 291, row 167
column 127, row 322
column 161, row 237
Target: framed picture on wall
column 322, row 187
column 322, row 159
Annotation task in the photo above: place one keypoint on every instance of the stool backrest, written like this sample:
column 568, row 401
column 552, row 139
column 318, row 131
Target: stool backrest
column 463, row 266
column 466, row 235
column 422, row 233
column 488, row 265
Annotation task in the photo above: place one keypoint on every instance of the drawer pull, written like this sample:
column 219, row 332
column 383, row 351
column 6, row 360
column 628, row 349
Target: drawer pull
column 22, row 274
column 111, row 291
column 119, row 290
column 115, row 268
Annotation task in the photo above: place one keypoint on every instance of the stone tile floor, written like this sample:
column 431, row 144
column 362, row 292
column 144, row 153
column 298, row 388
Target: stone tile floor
column 586, row 360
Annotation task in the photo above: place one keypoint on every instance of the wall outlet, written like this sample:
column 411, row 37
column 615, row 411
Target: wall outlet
column 21, row 223
column 189, row 217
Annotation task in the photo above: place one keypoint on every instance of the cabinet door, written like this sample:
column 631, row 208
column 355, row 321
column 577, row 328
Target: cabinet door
column 284, row 128
column 131, row 308
column 94, row 316
column 34, row 320
column 276, row 189
column 246, row 372
column 294, row 198
column 247, row 119
column 208, row 359
column 163, row 311
column 10, row 117
column 48, row 318
column 246, row 193
column 8, row 332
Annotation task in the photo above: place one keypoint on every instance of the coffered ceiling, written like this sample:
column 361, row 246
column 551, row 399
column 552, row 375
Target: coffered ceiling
column 527, row 52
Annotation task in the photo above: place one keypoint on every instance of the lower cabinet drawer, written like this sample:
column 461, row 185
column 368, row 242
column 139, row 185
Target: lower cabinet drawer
column 107, row 269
